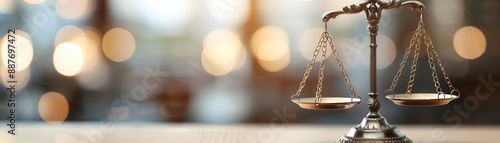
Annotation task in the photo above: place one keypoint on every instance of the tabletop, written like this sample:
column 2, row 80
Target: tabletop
column 112, row 132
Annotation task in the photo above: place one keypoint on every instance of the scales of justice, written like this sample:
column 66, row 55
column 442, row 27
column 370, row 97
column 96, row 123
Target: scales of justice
column 374, row 128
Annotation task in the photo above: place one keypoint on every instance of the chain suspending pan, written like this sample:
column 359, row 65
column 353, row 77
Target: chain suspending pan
column 422, row 99
column 325, row 103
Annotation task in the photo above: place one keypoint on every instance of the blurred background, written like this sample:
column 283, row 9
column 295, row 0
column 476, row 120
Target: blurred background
column 236, row 61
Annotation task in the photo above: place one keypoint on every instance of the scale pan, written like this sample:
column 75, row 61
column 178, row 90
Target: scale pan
column 421, row 99
column 327, row 103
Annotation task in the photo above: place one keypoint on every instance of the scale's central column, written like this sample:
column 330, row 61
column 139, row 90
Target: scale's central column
column 374, row 128
column 373, row 18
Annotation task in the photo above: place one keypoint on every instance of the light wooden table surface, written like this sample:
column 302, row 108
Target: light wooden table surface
column 109, row 132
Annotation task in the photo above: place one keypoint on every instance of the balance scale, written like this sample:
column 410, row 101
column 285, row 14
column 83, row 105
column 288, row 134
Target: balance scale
column 374, row 128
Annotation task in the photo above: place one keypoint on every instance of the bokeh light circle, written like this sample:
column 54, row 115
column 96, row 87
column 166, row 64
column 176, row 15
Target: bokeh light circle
column 73, row 9
column 68, row 59
column 272, row 50
column 92, row 50
column 118, row 44
column 270, row 47
column 469, row 42
column 23, row 48
column 275, row 65
column 53, row 108
column 222, row 52
column 7, row 6
column 262, row 36
column 73, row 34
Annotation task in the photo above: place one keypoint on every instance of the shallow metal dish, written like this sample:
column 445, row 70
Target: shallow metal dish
column 327, row 103
column 421, row 99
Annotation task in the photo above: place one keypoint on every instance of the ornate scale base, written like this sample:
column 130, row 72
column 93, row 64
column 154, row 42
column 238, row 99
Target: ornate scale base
column 374, row 130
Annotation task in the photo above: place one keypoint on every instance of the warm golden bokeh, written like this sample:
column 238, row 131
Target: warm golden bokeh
column 73, row 9
column 88, row 41
column 118, row 44
column 213, row 68
column 92, row 50
column 272, row 50
column 7, row 6
column 222, row 52
column 23, row 47
column 71, row 33
column 53, row 108
column 68, row 59
column 270, row 45
column 469, row 42
column 276, row 65
column 265, row 34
